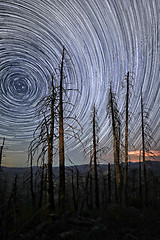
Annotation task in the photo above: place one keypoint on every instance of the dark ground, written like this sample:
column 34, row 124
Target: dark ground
column 111, row 224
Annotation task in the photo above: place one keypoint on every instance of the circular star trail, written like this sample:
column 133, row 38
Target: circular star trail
column 103, row 41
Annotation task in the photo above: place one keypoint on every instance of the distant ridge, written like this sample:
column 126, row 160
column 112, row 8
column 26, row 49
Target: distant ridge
column 83, row 168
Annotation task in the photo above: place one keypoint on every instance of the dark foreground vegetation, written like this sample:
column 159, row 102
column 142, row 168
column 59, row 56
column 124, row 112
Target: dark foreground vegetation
column 22, row 219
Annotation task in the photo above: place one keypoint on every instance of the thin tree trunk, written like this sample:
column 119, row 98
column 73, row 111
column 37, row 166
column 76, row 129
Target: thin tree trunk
column 50, row 175
column 87, row 195
column 116, row 192
column 95, row 161
column 1, row 152
column 126, row 146
column 50, row 153
column 15, row 190
column 104, row 192
column 73, row 192
column 77, row 188
column 14, row 203
column 143, row 150
column 116, row 153
column 31, row 181
column 46, row 192
column 140, row 181
column 61, row 144
column 91, row 192
column 109, row 183
column 86, row 186
column 42, row 183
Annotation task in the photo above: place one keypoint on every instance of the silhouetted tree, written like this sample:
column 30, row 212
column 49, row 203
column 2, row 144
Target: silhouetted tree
column 50, row 136
column 115, row 119
column 84, row 199
column 51, row 129
column 126, row 143
column 31, row 180
column 143, row 148
column 42, row 182
column 140, row 181
column 45, row 137
column 72, row 131
column 61, row 142
column 109, row 183
column 95, row 159
column 77, row 187
column 73, row 192
column 89, row 186
column 1, row 152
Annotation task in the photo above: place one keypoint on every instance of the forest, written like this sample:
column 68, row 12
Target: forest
column 119, row 200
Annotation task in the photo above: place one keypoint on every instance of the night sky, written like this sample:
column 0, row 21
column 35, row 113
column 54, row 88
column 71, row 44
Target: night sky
column 104, row 39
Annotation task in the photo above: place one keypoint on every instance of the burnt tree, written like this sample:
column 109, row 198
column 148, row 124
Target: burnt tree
column 115, row 119
column 44, row 136
column 95, row 159
column 125, row 181
column 143, row 148
column 1, row 152
column 61, row 142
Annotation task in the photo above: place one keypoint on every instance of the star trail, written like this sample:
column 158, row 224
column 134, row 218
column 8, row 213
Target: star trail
column 103, row 39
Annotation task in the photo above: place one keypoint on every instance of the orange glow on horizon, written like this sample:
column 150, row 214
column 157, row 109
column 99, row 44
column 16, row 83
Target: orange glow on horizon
column 152, row 155
column 147, row 154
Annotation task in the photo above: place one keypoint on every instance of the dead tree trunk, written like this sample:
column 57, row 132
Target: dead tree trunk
column 143, row 149
column 50, row 152
column 116, row 192
column 140, row 181
column 95, row 160
column 1, row 152
column 15, row 190
column 61, row 144
column 116, row 147
column 31, row 180
column 77, row 183
column 91, row 190
column 73, row 192
column 84, row 198
column 104, row 191
column 42, row 184
column 45, row 187
column 125, row 183
column 109, row 183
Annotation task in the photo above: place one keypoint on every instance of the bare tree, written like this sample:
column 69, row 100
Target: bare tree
column 51, row 129
column 89, row 182
column 44, row 140
column 42, row 182
column 31, row 180
column 115, row 119
column 1, row 152
column 95, row 159
column 109, row 183
column 71, row 130
column 140, row 181
column 61, row 142
column 126, row 144
column 86, row 185
column 143, row 147
column 50, row 137
column 73, row 191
